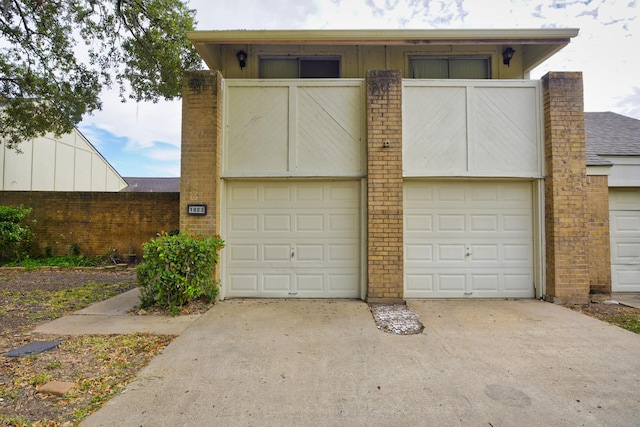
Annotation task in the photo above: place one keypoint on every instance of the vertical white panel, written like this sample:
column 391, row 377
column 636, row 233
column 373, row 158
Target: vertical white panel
column 65, row 166
column 18, row 169
column 83, row 171
column 329, row 131
column 434, row 129
column 505, row 135
column 44, row 154
column 98, row 173
column 257, row 129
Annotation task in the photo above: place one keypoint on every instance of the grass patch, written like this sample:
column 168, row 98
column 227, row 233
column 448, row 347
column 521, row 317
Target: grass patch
column 68, row 261
column 54, row 304
column 630, row 323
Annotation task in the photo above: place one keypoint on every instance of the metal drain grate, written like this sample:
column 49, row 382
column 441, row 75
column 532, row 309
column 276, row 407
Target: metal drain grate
column 32, row 348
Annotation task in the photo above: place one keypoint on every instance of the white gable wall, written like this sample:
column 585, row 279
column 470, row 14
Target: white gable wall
column 67, row 163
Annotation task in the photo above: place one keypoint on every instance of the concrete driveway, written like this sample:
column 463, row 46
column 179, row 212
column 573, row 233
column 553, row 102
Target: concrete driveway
column 324, row 363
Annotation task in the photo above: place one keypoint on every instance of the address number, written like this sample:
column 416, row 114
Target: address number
column 196, row 209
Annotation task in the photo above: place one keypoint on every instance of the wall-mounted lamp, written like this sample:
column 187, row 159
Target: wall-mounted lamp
column 242, row 58
column 507, row 54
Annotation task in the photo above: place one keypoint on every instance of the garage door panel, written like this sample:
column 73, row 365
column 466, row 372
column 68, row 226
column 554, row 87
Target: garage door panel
column 451, row 253
column 451, row 282
column 243, row 253
column 517, row 253
column 484, row 253
column 448, row 223
column 481, row 244
column 516, row 223
column 309, row 253
column 298, row 239
column 627, row 222
column 275, row 252
column 514, row 282
column 309, row 223
column 276, row 283
column 239, row 223
column 485, row 282
column 627, row 252
column 244, row 283
column 310, row 282
column 418, row 253
column 484, row 223
column 277, row 223
column 626, row 278
column 418, row 223
column 419, row 283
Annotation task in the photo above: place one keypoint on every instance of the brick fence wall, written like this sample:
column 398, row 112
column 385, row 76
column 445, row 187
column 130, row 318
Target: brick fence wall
column 96, row 222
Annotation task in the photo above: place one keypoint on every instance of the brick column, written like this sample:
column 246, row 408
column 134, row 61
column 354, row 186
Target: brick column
column 384, row 187
column 599, row 245
column 566, row 229
column 201, row 141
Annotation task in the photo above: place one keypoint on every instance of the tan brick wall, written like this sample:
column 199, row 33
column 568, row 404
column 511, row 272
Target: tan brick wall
column 201, row 142
column 599, row 236
column 96, row 222
column 384, row 187
column 566, row 229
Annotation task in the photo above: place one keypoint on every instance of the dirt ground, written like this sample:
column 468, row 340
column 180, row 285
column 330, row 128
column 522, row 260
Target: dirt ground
column 100, row 366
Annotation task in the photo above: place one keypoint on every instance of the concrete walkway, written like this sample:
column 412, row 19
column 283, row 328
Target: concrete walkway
column 113, row 317
column 324, row 363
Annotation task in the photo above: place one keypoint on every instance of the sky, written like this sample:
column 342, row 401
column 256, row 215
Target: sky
column 143, row 139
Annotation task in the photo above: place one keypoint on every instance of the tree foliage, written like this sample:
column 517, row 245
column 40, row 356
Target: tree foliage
column 57, row 55
column 15, row 232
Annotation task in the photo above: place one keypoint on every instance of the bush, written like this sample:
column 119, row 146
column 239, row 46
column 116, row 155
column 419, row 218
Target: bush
column 178, row 269
column 15, row 235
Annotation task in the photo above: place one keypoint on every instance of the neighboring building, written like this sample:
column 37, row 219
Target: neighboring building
column 389, row 164
column 66, row 163
column 613, row 153
column 152, row 185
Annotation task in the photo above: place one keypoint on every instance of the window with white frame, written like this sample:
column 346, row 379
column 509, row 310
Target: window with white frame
column 449, row 68
column 300, row 68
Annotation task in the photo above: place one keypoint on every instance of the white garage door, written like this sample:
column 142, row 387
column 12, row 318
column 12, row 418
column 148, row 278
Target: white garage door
column 293, row 239
column 624, row 221
column 468, row 239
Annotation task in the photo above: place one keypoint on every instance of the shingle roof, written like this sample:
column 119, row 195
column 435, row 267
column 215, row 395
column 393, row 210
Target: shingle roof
column 610, row 134
column 156, row 185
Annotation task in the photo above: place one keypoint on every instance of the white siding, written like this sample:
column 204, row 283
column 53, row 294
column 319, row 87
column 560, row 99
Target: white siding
column 472, row 128
column 67, row 163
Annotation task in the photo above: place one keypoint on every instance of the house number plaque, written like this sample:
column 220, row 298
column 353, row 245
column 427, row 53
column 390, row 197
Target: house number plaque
column 196, row 210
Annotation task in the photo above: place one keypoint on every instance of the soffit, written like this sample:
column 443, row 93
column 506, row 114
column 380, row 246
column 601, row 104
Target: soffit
column 539, row 44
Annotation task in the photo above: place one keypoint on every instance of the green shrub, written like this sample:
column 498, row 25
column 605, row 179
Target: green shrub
column 15, row 232
column 178, row 269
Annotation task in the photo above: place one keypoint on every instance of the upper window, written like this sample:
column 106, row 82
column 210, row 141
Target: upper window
column 449, row 68
column 300, row 68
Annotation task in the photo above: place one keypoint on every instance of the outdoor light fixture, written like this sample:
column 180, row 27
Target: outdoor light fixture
column 507, row 54
column 242, row 58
